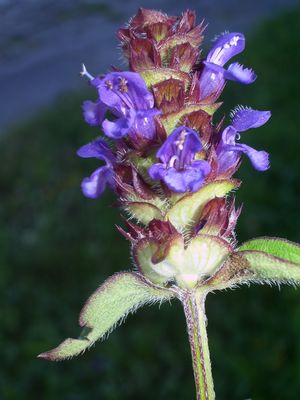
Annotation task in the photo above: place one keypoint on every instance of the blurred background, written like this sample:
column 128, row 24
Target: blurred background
column 56, row 246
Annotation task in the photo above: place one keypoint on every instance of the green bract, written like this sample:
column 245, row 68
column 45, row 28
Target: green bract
column 186, row 212
column 186, row 266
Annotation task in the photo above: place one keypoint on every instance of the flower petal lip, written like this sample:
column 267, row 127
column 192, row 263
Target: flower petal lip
column 94, row 186
column 97, row 149
column 157, row 171
column 247, row 118
column 190, row 179
column 120, row 127
column 236, row 72
column 93, row 112
column 259, row 159
column 225, row 47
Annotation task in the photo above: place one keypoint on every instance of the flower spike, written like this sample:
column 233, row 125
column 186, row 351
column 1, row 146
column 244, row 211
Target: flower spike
column 171, row 168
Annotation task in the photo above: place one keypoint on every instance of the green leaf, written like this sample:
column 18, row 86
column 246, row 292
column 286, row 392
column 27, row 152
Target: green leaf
column 121, row 294
column 275, row 246
column 186, row 212
column 261, row 266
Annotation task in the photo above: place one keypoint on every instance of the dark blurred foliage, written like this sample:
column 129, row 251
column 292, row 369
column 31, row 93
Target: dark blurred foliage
column 57, row 247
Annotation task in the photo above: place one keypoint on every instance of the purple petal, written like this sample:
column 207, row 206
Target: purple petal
column 144, row 125
column 176, row 180
column 191, row 144
column 202, row 165
column 120, row 127
column 97, row 149
column 124, row 90
column 228, row 137
column 93, row 112
column 227, row 159
column 189, row 179
column 211, row 81
column 236, row 72
column 246, row 118
column 138, row 91
column 225, row 47
column 157, row 171
column 94, row 185
column 259, row 159
column 96, row 81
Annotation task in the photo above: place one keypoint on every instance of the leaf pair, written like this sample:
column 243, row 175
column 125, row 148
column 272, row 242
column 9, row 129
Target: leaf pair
column 259, row 260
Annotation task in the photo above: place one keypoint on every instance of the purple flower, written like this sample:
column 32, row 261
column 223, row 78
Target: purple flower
column 126, row 96
column 229, row 152
column 178, row 167
column 94, row 185
column 213, row 77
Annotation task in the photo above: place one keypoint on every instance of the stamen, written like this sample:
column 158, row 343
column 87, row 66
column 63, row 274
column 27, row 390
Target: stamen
column 234, row 41
column 180, row 141
column 84, row 72
column 123, row 85
column 172, row 161
column 109, row 85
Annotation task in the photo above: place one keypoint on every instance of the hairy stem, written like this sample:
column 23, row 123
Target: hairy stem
column 193, row 303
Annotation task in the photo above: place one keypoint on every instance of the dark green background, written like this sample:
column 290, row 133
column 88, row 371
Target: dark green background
column 57, row 247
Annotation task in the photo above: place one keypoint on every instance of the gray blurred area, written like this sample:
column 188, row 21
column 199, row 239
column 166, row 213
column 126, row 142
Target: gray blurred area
column 43, row 42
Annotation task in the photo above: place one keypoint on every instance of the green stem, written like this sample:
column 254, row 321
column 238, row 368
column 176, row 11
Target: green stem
column 193, row 303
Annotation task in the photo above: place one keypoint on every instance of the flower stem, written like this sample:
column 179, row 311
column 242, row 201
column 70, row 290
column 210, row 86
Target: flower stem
column 193, row 303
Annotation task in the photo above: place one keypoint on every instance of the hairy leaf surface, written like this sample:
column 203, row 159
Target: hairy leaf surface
column 121, row 294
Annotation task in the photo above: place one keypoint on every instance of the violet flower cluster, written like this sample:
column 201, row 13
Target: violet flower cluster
column 128, row 112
